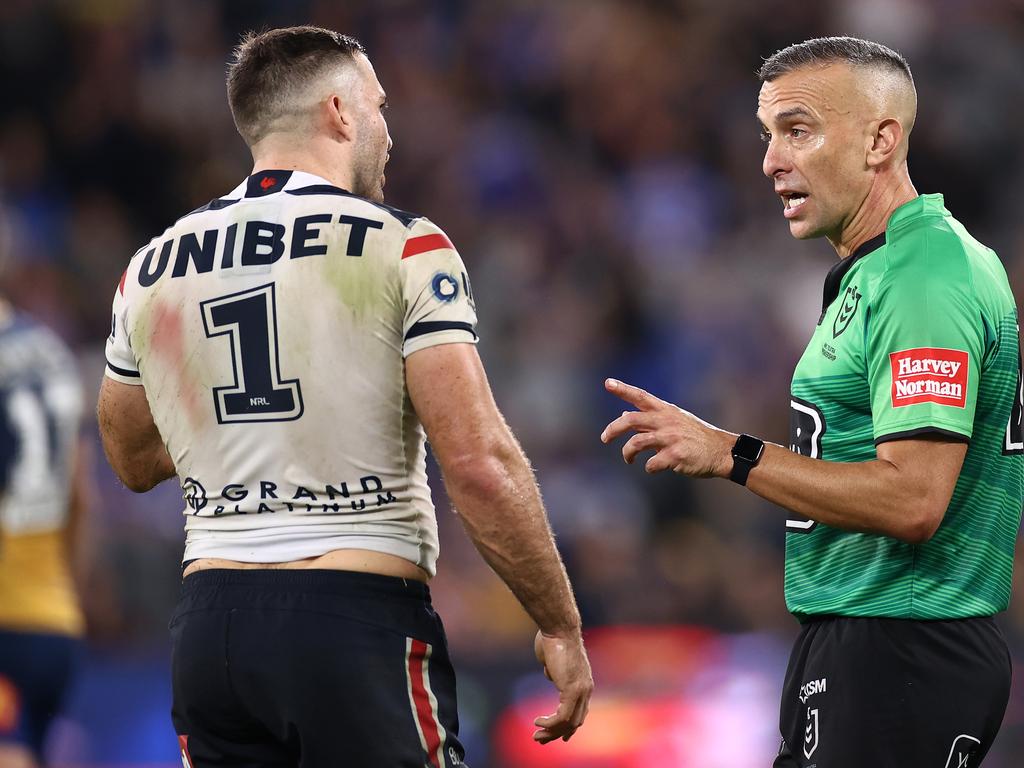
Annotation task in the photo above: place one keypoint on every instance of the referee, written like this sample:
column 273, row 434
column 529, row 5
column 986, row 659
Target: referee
column 905, row 475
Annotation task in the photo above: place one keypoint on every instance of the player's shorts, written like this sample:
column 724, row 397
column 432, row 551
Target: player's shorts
column 893, row 692
column 311, row 669
column 35, row 672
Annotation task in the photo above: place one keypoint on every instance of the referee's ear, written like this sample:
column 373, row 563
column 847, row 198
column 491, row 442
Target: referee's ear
column 886, row 143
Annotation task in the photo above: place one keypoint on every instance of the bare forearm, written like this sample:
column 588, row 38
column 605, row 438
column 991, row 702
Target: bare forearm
column 153, row 466
column 502, row 512
column 136, row 453
column 866, row 497
column 140, row 469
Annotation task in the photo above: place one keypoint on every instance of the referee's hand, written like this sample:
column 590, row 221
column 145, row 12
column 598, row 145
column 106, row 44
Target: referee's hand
column 566, row 665
column 681, row 441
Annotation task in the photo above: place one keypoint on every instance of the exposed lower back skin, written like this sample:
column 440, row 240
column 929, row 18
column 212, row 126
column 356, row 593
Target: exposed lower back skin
column 358, row 560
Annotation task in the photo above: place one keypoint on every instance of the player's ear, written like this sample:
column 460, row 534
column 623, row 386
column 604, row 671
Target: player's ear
column 339, row 116
column 885, row 142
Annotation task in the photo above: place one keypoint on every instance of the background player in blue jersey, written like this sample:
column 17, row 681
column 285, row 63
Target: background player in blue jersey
column 42, row 500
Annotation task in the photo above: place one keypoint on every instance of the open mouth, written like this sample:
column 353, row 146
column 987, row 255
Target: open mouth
column 792, row 203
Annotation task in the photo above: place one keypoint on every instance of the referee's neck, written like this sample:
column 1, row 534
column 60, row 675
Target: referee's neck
column 872, row 217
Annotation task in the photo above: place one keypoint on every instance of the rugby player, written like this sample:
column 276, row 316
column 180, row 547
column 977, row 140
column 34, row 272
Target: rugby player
column 282, row 350
column 42, row 501
column 906, row 472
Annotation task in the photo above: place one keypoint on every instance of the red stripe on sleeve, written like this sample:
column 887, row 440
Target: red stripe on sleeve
column 424, row 243
column 424, row 711
column 120, row 286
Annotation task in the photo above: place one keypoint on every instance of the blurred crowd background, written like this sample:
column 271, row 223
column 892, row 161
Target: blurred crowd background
column 597, row 164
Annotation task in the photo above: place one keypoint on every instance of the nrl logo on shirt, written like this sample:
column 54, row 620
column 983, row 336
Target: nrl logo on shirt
column 929, row 375
column 851, row 300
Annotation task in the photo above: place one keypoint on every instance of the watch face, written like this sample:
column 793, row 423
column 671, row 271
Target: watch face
column 748, row 448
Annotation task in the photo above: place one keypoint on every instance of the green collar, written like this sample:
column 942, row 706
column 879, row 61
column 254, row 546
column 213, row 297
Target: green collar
column 922, row 205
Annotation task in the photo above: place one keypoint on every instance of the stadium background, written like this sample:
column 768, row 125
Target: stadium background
column 598, row 165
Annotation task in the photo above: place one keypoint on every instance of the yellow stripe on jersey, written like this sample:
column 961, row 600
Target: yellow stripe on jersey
column 36, row 589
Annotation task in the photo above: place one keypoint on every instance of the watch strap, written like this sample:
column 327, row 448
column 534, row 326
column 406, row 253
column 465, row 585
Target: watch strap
column 746, row 454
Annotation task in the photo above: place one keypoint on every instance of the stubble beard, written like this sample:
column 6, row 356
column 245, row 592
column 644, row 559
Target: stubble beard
column 366, row 175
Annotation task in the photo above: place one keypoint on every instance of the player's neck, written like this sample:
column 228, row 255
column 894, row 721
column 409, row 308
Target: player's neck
column 873, row 215
column 270, row 155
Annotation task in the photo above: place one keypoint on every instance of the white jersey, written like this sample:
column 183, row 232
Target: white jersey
column 269, row 329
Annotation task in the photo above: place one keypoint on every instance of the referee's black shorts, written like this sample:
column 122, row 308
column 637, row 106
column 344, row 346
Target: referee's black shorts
column 311, row 669
column 873, row 692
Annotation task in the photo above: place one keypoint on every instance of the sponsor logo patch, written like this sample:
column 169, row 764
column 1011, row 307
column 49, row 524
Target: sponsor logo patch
column 445, row 287
column 193, row 493
column 812, row 687
column 929, row 375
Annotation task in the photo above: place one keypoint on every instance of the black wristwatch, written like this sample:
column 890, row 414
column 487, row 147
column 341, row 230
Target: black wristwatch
column 745, row 454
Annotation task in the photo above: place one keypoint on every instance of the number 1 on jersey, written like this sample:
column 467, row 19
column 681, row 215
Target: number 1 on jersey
column 249, row 320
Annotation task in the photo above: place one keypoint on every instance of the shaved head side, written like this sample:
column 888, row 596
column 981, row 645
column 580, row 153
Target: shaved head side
column 883, row 75
column 893, row 95
column 829, row 50
column 277, row 77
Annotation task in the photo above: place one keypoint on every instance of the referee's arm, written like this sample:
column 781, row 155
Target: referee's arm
column 491, row 484
column 903, row 493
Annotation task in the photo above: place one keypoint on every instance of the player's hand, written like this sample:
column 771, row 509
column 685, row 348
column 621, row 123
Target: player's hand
column 566, row 665
column 680, row 441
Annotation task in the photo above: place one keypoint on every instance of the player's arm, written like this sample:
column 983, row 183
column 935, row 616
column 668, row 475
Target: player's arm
column 904, row 493
column 131, row 439
column 491, row 484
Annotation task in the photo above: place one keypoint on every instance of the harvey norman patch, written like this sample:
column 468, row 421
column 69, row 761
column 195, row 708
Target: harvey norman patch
column 929, row 375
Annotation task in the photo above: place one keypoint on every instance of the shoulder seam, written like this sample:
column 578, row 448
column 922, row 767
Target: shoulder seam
column 926, row 235
column 405, row 217
column 214, row 205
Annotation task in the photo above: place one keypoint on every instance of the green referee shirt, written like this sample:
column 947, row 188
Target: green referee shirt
column 918, row 334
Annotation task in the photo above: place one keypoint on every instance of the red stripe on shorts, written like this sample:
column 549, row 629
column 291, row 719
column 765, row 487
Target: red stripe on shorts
column 425, row 243
column 186, row 758
column 425, row 714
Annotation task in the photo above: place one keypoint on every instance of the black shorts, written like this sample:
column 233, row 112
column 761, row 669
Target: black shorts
column 35, row 672
column 893, row 692
column 311, row 669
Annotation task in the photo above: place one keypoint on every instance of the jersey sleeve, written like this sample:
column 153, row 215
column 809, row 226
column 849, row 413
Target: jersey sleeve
column 438, row 297
column 925, row 342
column 121, row 364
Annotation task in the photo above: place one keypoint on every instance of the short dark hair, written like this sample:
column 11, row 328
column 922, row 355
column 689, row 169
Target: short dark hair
column 268, row 66
column 828, row 50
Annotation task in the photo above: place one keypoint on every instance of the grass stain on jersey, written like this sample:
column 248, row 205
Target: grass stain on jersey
column 359, row 281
